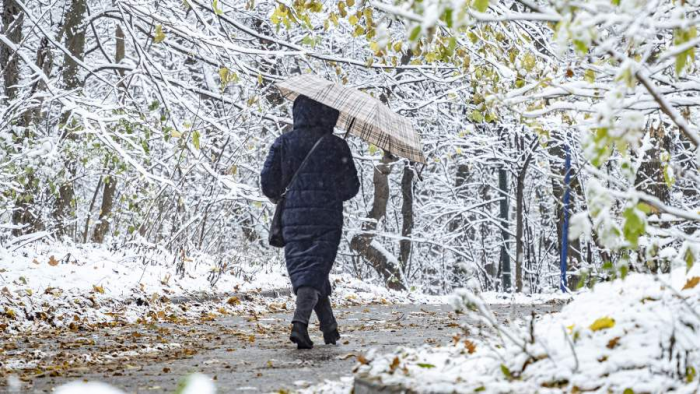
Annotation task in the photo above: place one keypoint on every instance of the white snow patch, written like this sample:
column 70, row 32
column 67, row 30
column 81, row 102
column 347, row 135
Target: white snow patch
column 79, row 387
column 640, row 333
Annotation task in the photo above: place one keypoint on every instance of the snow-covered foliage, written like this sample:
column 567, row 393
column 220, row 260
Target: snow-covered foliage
column 635, row 335
column 153, row 132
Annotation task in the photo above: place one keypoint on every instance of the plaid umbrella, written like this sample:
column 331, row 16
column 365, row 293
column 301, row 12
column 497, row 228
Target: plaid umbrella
column 360, row 114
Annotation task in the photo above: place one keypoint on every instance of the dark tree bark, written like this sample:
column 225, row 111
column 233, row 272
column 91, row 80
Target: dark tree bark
column 362, row 242
column 75, row 42
column 505, row 257
column 12, row 20
column 406, row 213
column 650, row 180
column 519, row 219
column 110, row 182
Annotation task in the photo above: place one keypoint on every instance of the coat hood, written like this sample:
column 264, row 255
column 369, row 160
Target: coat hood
column 312, row 115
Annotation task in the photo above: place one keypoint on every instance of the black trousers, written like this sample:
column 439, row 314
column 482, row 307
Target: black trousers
column 310, row 300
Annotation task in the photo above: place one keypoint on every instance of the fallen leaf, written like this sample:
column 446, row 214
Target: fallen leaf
column 362, row 360
column 347, row 356
column 233, row 301
column 35, row 261
column 98, row 289
column 52, row 261
column 691, row 283
column 394, row 364
column 602, row 323
column 426, row 365
column 471, row 346
column 613, row 343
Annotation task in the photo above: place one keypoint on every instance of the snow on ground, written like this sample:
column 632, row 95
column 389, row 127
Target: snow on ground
column 637, row 335
column 72, row 286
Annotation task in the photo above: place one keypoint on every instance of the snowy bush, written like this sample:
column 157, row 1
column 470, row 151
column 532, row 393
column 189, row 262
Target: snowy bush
column 640, row 334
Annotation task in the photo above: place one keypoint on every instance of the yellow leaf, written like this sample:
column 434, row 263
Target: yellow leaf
column 394, row 364
column 98, row 289
column 52, row 261
column 233, row 301
column 175, row 134
column 691, row 283
column 353, row 20
column 10, row 313
column 602, row 324
column 160, row 36
column 398, row 45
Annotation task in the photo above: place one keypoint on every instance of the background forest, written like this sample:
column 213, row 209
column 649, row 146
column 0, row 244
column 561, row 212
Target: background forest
column 144, row 124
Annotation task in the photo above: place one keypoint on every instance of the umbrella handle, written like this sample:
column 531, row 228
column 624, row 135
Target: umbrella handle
column 352, row 123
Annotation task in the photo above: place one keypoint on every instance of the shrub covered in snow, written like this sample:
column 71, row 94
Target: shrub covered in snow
column 640, row 334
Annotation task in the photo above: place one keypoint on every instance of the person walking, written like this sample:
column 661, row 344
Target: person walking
column 312, row 219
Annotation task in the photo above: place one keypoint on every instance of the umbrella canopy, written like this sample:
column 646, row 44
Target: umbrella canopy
column 360, row 114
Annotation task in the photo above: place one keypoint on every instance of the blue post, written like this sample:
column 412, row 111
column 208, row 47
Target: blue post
column 565, row 229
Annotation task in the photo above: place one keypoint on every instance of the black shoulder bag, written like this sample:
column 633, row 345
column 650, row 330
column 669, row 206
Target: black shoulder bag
column 276, row 238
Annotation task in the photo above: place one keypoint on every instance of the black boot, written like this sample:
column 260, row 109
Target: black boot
column 331, row 337
column 300, row 336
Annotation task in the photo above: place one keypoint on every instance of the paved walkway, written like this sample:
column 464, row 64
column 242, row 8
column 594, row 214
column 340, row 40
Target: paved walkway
column 248, row 354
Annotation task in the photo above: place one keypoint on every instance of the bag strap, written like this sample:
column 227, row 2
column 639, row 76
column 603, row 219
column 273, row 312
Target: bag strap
column 306, row 159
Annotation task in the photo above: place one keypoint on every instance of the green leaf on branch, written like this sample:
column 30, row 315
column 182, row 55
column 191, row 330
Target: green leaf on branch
column 447, row 17
column 589, row 76
column 644, row 207
column 634, row 226
column 581, row 46
column 415, row 33
column 689, row 259
column 159, row 36
column 217, row 8
column 481, row 5
column 529, row 62
column 680, row 37
column 195, row 139
column 506, row 372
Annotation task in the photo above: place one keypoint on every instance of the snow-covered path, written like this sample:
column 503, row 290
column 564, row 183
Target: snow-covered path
column 246, row 353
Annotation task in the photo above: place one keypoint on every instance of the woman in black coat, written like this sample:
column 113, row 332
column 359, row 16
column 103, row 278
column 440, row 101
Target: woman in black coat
column 312, row 220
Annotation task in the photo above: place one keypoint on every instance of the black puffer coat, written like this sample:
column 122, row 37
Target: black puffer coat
column 312, row 222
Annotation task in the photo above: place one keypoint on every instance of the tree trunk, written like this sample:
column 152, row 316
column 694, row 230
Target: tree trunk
column 12, row 20
column 406, row 213
column 108, row 193
column 519, row 206
column 110, row 182
column 75, row 42
column 362, row 242
column 505, row 257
